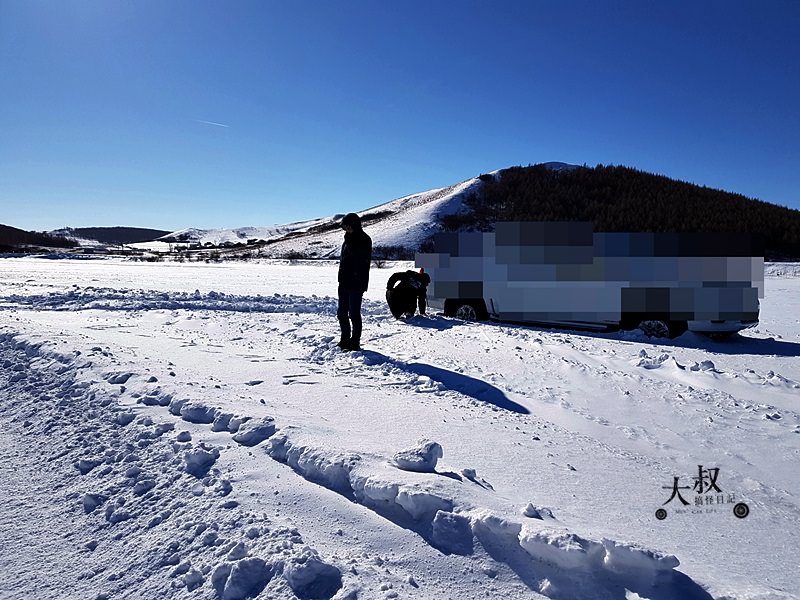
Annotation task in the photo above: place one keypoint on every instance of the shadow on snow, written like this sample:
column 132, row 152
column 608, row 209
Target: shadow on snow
column 469, row 386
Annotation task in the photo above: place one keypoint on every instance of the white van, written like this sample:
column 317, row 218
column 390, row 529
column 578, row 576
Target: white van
column 565, row 274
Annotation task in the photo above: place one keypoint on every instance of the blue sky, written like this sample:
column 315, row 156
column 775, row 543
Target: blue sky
column 173, row 114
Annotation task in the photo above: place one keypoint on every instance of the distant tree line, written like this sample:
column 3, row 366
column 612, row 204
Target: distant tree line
column 624, row 199
column 13, row 240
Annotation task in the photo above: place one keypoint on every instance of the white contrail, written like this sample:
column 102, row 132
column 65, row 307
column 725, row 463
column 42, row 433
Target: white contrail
column 212, row 123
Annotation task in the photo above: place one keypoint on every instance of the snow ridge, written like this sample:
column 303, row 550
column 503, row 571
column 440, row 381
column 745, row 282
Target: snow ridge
column 429, row 504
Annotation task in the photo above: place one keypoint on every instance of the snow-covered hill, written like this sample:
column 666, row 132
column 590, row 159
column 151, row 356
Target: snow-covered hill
column 219, row 237
column 186, row 430
column 404, row 222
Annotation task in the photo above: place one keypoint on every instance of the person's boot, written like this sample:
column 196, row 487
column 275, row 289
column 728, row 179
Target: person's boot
column 354, row 344
column 344, row 343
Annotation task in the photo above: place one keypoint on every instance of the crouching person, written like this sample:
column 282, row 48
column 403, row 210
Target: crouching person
column 405, row 291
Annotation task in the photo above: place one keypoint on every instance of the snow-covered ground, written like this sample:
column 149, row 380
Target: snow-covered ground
column 191, row 431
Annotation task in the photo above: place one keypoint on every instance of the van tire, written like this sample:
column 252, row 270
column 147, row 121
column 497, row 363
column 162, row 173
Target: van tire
column 655, row 328
column 659, row 328
column 466, row 310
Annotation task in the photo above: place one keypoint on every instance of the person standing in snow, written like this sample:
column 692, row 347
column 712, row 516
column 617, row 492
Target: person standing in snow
column 353, row 280
column 404, row 291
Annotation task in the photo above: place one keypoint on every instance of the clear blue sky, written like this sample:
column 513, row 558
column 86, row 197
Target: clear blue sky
column 172, row 114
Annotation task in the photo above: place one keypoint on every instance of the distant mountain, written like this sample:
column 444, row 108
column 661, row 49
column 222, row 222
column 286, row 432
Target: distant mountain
column 111, row 235
column 221, row 237
column 13, row 239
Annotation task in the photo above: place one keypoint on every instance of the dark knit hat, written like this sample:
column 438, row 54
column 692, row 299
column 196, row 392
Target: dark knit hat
column 352, row 220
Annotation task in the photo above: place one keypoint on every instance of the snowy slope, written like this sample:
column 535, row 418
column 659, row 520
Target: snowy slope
column 402, row 222
column 191, row 431
column 218, row 237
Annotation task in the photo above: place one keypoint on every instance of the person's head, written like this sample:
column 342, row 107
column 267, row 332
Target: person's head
column 351, row 222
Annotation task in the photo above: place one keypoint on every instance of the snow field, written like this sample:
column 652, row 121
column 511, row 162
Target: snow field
column 160, row 492
column 536, row 442
column 130, row 472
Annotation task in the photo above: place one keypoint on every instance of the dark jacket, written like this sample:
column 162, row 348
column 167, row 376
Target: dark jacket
column 405, row 290
column 411, row 279
column 354, row 263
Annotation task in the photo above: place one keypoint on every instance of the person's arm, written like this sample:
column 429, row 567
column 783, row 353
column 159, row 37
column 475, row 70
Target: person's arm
column 365, row 258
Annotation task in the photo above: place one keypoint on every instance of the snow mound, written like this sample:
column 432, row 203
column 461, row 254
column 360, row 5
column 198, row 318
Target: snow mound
column 310, row 577
column 254, row 432
column 452, row 533
column 241, row 580
column 421, row 458
column 199, row 461
column 571, row 551
column 537, row 512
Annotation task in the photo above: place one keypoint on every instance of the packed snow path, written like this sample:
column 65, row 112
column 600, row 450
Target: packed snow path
column 212, row 403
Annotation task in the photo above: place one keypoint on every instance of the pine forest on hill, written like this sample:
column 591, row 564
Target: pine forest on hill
column 617, row 198
column 12, row 238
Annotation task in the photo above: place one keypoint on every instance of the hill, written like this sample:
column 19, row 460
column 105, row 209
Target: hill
column 613, row 198
column 623, row 199
column 398, row 228
column 112, row 235
column 13, row 239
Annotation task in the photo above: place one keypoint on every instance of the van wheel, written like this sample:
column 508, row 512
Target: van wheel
column 655, row 328
column 466, row 312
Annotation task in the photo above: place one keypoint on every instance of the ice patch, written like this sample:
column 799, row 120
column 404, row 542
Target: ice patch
column 85, row 465
column 221, row 421
column 563, row 549
column 623, row 558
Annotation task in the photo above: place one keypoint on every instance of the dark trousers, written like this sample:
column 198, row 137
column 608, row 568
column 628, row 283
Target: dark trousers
column 349, row 311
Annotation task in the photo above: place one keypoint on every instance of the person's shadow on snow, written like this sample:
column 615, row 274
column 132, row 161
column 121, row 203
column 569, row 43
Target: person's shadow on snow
column 469, row 386
column 428, row 321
